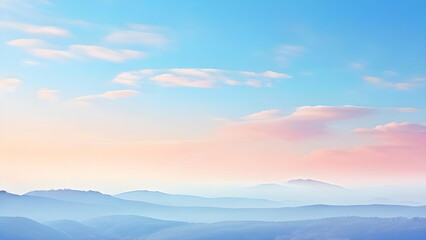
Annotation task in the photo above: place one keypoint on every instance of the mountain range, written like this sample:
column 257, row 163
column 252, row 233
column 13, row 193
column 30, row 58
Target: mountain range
column 141, row 228
column 80, row 205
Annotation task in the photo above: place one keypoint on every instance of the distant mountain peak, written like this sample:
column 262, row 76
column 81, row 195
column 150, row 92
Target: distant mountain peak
column 5, row 193
column 311, row 183
column 66, row 190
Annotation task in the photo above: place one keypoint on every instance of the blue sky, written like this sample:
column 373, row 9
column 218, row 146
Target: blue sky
column 276, row 55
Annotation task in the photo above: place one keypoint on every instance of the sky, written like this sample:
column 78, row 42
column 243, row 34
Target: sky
column 122, row 95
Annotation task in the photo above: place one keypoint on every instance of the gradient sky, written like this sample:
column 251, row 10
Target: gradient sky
column 119, row 95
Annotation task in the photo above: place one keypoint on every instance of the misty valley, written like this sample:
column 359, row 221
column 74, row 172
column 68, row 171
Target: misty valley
column 138, row 215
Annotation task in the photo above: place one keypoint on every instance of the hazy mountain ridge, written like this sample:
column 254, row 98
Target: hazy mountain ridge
column 19, row 228
column 95, row 204
column 190, row 200
column 135, row 228
column 310, row 183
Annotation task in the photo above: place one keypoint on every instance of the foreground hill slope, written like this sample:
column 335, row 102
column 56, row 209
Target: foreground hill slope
column 77, row 231
column 130, row 226
column 324, row 229
column 141, row 228
column 19, row 228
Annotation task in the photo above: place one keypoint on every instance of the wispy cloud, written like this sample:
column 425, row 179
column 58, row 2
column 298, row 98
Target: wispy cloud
column 357, row 66
column 106, row 53
column 407, row 109
column 400, row 133
column 406, row 85
column 37, row 48
column 267, row 114
column 87, row 100
column 9, row 84
column 35, row 29
column 47, row 94
column 52, row 54
column 138, row 34
column 291, row 50
column 201, row 78
column 27, row 43
column 305, row 122
column 399, row 150
column 285, row 52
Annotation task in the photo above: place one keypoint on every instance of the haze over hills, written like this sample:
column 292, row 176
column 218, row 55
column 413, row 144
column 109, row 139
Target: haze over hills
column 130, row 226
column 313, row 184
column 141, row 228
column 77, row 230
column 296, row 192
column 19, row 228
column 189, row 200
column 92, row 215
column 80, row 205
column 45, row 209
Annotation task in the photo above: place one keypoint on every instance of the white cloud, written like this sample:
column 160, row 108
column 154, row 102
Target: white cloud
column 268, row 114
column 52, row 53
column 86, row 100
column 285, row 52
column 9, row 84
column 48, row 94
column 398, row 85
column 138, row 34
column 27, row 43
column 171, row 80
column 390, row 73
column 291, row 50
column 253, row 83
column 119, row 94
column 407, row 109
column 106, row 53
column 198, row 77
column 35, row 29
column 127, row 78
column 357, row 66
column 31, row 62
column 81, row 51
column 137, row 37
column 269, row 74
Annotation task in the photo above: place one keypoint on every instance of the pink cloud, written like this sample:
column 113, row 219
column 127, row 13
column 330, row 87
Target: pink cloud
column 52, row 54
column 399, row 153
column 87, row 100
column 48, row 94
column 199, row 77
column 35, row 29
column 171, row 80
column 268, row 114
column 106, row 53
column 405, row 133
column 27, row 43
column 406, row 85
column 305, row 122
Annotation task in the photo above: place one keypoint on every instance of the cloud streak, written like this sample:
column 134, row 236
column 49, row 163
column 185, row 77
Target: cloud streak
column 305, row 122
column 407, row 85
column 27, row 43
column 35, row 29
column 399, row 151
column 47, row 94
column 138, row 34
column 9, row 84
column 105, row 53
column 76, row 51
column 198, row 77
column 87, row 100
